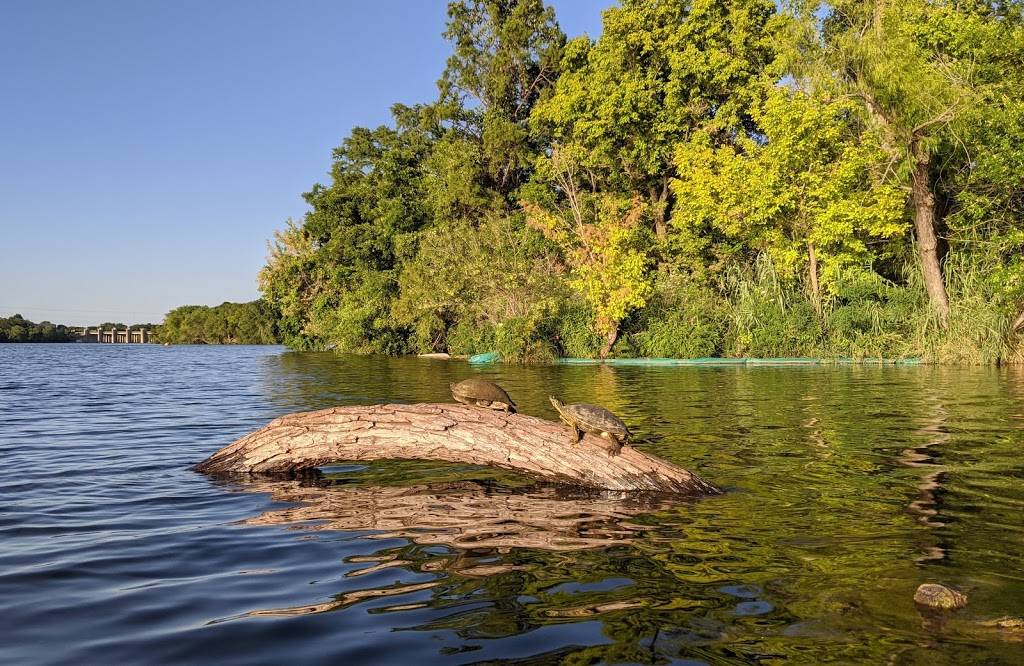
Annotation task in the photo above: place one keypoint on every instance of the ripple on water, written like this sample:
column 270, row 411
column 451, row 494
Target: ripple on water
column 848, row 488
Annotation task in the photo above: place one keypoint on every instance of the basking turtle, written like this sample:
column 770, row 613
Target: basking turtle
column 937, row 595
column 595, row 420
column 482, row 393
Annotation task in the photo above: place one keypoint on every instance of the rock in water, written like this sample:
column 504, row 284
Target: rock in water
column 936, row 595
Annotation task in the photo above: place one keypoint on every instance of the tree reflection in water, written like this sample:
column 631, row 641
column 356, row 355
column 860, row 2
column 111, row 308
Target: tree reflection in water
column 478, row 523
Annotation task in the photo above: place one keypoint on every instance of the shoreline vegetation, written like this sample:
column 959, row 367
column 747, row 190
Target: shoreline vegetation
column 718, row 179
column 252, row 323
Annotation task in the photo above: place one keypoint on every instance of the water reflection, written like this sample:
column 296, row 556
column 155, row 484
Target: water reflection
column 847, row 487
column 812, row 556
column 462, row 514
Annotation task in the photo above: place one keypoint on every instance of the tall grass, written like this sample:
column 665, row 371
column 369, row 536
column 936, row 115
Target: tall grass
column 755, row 313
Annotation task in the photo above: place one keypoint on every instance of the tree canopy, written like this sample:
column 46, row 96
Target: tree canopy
column 252, row 323
column 18, row 329
column 707, row 177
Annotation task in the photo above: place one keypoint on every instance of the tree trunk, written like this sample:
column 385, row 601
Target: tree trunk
column 451, row 433
column 1018, row 323
column 609, row 342
column 924, row 228
column 659, row 208
column 815, row 290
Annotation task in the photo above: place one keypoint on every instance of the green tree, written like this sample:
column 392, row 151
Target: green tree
column 506, row 57
column 602, row 240
column 919, row 70
column 334, row 277
column 252, row 323
column 807, row 190
column 658, row 72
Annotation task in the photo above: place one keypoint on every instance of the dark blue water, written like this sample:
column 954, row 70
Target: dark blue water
column 848, row 487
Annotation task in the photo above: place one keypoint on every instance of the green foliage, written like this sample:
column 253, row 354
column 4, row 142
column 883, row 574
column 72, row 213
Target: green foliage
column 870, row 316
column 658, row 72
column 605, row 246
column 479, row 276
column 767, row 319
column 684, row 320
column 252, row 323
column 713, row 177
column 524, row 340
column 809, row 181
column 575, row 333
column 506, row 56
column 18, row 329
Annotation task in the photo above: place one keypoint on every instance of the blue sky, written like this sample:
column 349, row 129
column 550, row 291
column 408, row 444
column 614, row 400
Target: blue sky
column 149, row 149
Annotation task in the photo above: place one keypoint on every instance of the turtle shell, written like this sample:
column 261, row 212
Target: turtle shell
column 481, row 389
column 936, row 595
column 592, row 418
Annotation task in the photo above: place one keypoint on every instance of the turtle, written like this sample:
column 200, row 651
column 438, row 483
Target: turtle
column 482, row 393
column 595, row 420
column 937, row 595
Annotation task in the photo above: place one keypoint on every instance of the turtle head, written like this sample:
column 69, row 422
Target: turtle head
column 555, row 402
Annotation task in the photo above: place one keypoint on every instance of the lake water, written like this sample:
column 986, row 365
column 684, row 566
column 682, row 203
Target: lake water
column 847, row 487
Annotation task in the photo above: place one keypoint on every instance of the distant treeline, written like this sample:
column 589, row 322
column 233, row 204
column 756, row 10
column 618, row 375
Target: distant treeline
column 19, row 329
column 250, row 323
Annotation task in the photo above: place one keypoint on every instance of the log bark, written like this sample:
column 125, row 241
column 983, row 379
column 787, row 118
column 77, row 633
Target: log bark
column 451, row 433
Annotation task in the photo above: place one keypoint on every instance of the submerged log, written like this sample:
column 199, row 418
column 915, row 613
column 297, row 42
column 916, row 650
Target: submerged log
column 451, row 433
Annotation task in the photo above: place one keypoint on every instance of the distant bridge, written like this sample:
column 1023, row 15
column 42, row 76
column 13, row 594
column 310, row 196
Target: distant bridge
column 114, row 336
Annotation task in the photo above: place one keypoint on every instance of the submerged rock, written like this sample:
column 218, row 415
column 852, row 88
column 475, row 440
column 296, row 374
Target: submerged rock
column 936, row 595
column 1015, row 624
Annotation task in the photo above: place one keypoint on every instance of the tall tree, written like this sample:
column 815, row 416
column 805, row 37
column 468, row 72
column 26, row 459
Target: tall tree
column 918, row 68
column 334, row 276
column 506, row 58
column 807, row 190
column 659, row 71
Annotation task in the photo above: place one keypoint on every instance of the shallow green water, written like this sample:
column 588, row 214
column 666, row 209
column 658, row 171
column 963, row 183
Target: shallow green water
column 846, row 488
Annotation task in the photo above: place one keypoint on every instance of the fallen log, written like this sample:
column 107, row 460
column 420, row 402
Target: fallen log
column 451, row 433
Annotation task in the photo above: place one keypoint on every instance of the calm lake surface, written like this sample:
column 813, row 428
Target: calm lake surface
column 847, row 488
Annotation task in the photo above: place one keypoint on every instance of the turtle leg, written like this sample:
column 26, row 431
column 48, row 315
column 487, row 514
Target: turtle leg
column 483, row 403
column 578, row 434
column 460, row 399
column 614, row 441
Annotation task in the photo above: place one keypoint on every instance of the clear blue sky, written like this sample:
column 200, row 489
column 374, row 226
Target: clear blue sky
column 149, row 149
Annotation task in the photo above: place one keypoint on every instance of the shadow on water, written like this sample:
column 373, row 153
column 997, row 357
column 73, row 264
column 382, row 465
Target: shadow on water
column 847, row 488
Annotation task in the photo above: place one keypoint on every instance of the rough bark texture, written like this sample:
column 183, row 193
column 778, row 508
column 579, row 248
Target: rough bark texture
column 451, row 433
column 924, row 228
